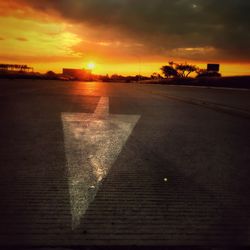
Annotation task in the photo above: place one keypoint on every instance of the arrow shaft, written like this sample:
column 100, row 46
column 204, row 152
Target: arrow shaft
column 102, row 107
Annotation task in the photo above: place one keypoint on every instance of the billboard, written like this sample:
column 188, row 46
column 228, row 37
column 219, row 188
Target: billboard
column 213, row 67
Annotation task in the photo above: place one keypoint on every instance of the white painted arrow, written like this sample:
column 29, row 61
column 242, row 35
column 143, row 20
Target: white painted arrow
column 92, row 144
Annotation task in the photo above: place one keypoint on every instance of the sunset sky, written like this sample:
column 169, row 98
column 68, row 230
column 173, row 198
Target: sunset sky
column 125, row 36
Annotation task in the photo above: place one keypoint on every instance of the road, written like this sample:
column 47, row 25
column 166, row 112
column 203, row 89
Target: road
column 173, row 165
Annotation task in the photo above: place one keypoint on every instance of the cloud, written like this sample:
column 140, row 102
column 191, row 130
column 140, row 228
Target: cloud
column 164, row 27
column 21, row 39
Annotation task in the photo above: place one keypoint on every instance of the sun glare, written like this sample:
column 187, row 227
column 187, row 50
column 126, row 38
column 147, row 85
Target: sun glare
column 91, row 65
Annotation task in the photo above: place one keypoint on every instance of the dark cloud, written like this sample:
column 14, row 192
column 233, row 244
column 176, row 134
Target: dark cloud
column 167, row 26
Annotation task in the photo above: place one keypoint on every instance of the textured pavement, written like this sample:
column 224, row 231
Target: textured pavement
column 181, row 179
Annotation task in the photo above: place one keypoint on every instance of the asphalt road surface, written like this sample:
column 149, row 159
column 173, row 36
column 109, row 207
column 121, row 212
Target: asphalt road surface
column 115, row 164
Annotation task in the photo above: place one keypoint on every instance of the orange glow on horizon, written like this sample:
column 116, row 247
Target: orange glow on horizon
column 126, row 69
column 52, row 44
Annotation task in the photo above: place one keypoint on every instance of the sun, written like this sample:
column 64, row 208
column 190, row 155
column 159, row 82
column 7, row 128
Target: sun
column 91, row 65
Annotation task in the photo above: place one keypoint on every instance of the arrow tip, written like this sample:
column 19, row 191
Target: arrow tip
column 102, row 107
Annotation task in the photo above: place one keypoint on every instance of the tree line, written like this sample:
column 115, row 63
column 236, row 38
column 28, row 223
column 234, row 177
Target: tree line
column 176, row 70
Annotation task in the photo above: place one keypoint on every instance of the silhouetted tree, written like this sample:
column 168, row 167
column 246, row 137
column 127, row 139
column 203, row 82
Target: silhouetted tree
column 116, row 77
column 105, row 78
column 184, row 70
column 156, row 76
column 178, row 70
column 169, row 71
column 51, row 73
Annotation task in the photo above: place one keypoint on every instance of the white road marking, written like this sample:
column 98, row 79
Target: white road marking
column 92, row 144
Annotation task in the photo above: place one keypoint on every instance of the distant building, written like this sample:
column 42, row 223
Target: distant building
column 79, row 74
column 213, row 68
column 8, row 68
